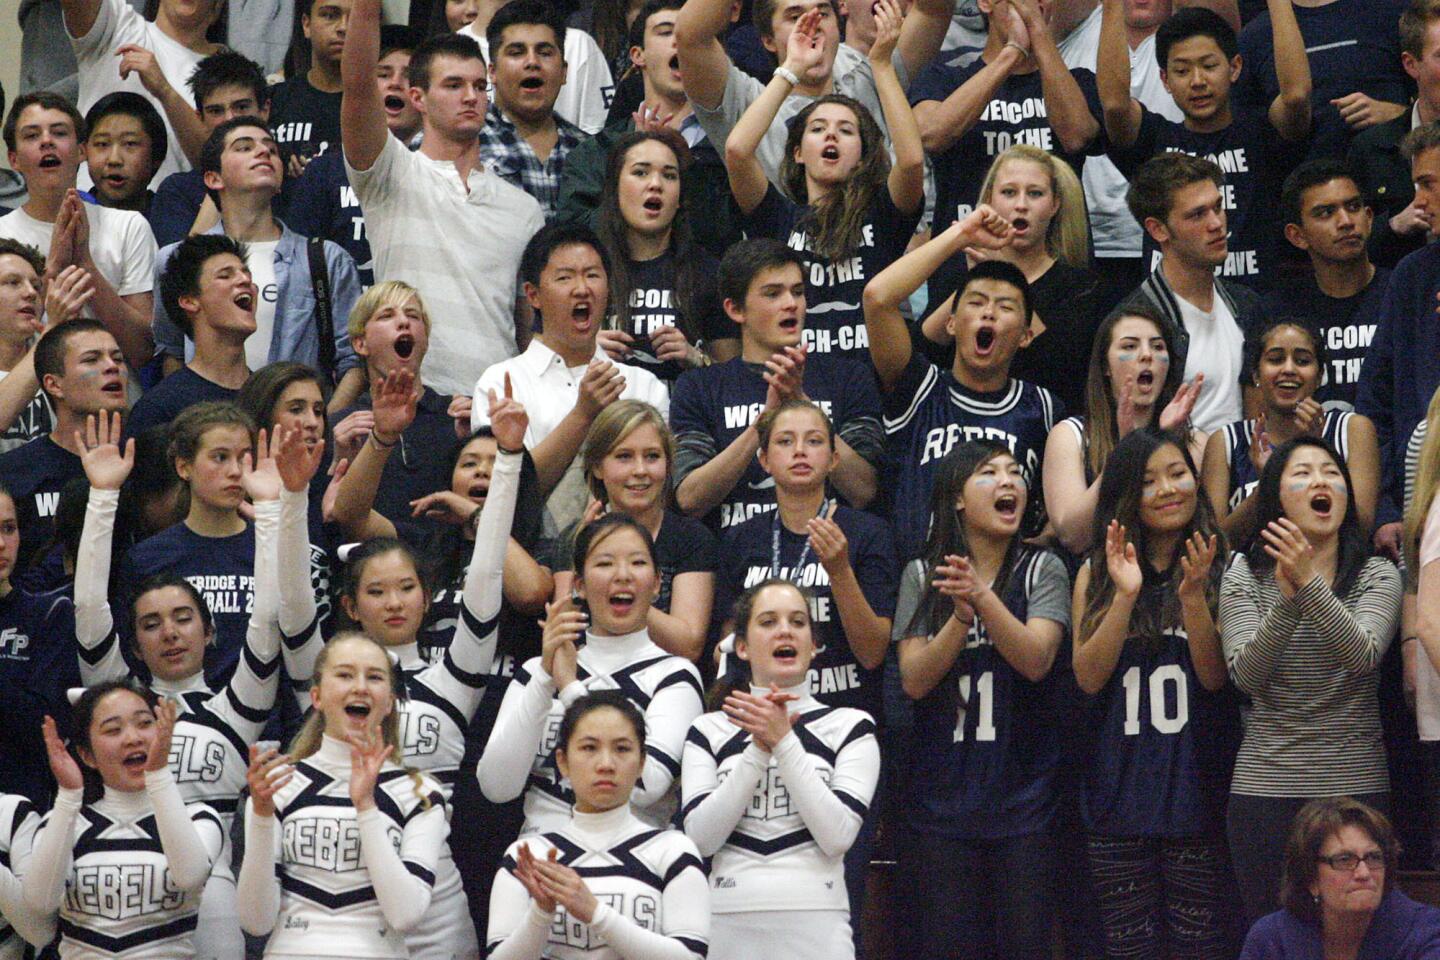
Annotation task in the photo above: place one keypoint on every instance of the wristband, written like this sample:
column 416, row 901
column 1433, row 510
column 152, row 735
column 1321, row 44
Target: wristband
column 513, row 453
column 375, row 439
column 788, row 74
column 1023, row 52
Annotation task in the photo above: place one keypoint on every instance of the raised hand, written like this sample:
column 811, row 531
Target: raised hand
column 136, row 59
column 670, row 344
column 1309, row 417
column 66, row 295
column 1177, row 412
column 1126, row 418
column 1260, row 445
column 508, row 419
column 332, row 490
column 62, row 765
column 651, row 118
column 565, row 887
column 601, row 386
column 1195, row 566
column 807, row 44
column 459, row 411
column 983, row 229
column 444, row 506
column 105, row 466
column 765, row 720
column 1121, row 561
column 268, row 772
column 563, row 628
column 393, row 403
column 82, row 230
column 1293, row 555
column 529, row 876
column 259, row 474
column 1017, row 29
column 617, row 344
column 368, row 753
column 159, row 756
column 350, row 433
column 297, row 461
column 594, row 510
column 785, row 374
column 1360, row 111
column 828, row 541
column 889, row 18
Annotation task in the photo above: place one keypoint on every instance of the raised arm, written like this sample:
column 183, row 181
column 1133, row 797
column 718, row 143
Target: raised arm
column 1120, row 110
column 1075, row 127
column 1096, row 654
column 907, row 172
column 601, row 386
column 101, row 657
column 923, row 34
column 362, row 116
column 1069, row 501
column 942, row 122
column 80, row 16
column 1290, row 110
column 704, row 65
column 1253, row 642
column 190, row 130
column 393, row 400
column 505, row 764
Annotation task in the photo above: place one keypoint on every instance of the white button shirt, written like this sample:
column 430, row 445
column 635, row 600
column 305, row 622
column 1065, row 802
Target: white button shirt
column 549, row 390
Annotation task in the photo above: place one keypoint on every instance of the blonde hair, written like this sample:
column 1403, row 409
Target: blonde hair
column 388, row 293
column 1068, row 237
column 307, row 741
column 1427, row 478
column 610, row 429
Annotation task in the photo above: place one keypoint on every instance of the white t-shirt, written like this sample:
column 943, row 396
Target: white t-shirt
column 121, row 245
column 116, row 24
column 262, row 271
column 1427, row 681
column 589, row 87
column 1216, row 350
column 1112, row 227
column 467, row 282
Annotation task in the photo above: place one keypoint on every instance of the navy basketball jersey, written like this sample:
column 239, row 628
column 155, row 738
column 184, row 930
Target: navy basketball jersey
column 1149, row 772
column 929, row 412
column 987, row 741
column 1241, row 433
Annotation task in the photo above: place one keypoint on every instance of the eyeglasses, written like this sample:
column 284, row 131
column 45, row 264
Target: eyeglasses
column 1347, row 862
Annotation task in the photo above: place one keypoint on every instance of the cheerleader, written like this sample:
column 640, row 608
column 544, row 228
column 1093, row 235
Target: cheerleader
column 1148, row 654
column 604, row 886
column 341, row 842
column 608, row 649
column 173, row 627
column 385, row 593
column 18, row 822
column 1285, row 359
column 980, row 618
column 1130, row 384
column 123, row 873
column 776, row 786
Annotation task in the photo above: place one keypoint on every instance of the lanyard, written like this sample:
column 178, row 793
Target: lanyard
column 775, row 569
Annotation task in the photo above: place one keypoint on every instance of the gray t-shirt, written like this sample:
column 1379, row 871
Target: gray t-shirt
column 1048, row 594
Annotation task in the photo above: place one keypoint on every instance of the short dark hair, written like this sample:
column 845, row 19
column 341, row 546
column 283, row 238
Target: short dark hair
column 214, row 147
column 48, row 101
column 600, row 700
column 163, row 581
column 180, row 276
column 51, row 348
column 1000, row 271
column 642, row 19
column 543, row 245
column 32, row 256
column 1422, row 138
column 1194, row 22
column 227, row 69
column 446, row 45
column 1414, row 22
column 1312, row 173
column 744, row 261
column 396, row 36
column 126, row 104
column 1257, row 335
column 1318, row 821
column 523, row 12
column 1153, row 188
column 762, row 14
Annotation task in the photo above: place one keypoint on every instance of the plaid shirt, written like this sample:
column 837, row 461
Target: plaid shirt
column 512, row 159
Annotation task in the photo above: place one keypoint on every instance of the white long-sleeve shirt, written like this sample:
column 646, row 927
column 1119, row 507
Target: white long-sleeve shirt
column 18, row 924
column 654, row 899
column 519, row 757
column 124, row 874
column 778, row 825
column 324, row 881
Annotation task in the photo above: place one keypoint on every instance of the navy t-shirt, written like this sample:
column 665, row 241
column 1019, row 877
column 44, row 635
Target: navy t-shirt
column 655, row 304
column 35, row 474
column 929, row 412
column 1353, row 47
column 38, row 664
column 175, row 206
column 1017, row 113
column 712, row 406
column 164, row 401
column 1347, row 324
column 1255, row 159
column 836, row 678
column 305, row 120
column 323, row 204
column 834, row 314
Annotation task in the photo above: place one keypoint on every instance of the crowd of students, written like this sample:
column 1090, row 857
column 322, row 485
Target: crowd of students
column 561, row 479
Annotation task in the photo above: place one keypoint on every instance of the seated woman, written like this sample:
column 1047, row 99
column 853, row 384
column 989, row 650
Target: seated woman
column 1339, row 894
column 605, row 885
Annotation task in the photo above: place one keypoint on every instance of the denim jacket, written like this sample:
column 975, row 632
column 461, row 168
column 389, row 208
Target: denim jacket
column 294, row 333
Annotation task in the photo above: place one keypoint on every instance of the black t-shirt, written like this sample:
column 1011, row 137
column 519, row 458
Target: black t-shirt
column 1348, row 326
column 1067, row 312
column 162, row 402
column 38, row 663
column 304, row 120
column 1255, row 159
column 1353, row 47
column 834, row 314
column 1017, row 113
column 685, row 545
column 322, row 204
column 654, row 304
column 35, row 474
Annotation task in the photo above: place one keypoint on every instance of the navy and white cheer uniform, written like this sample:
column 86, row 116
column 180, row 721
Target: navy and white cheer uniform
column 325, row 881
column 778, row 825
column 520, row 755
column 654, row 901
column 18, row 822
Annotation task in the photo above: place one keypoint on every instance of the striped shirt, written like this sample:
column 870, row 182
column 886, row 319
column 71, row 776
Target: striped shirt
column 1310, row 665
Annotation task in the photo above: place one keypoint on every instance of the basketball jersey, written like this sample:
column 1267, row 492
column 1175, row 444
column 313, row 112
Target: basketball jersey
column 1239, row 434
column 987, row 739
column 644, row 879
